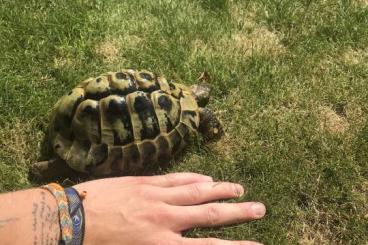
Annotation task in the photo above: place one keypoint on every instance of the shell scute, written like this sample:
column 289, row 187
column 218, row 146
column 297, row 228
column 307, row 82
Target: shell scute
column 122, row 83
column 167, row 110
column 98, row 88
column 148, row 152
column 164, row 153
column 132, row 157
column 86, row 121
column 144, row 119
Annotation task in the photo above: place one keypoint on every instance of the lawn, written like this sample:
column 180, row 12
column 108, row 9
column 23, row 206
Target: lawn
column 290, row 83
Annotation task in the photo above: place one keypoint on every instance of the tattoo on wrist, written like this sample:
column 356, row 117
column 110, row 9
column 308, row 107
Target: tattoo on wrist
column 45, row 225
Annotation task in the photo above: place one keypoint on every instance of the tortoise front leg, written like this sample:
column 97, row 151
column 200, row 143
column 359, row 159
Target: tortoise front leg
column 51, row 170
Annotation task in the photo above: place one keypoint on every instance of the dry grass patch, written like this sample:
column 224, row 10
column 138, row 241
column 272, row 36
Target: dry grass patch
column 251, row 39
column 112, row 49
column 130, row 41
column 62, row 62
column 355, row 116
column 259, row 41
column 316, row 226
column 361, row 197
column 355, row 57
column 19, row 141
column 226, row 146
column 363, row 3
column 241, row 16
column 331, row 121
column 65, row 58
column 310, row 236
column 312, row 227
column 199, row 47
column 109, row 50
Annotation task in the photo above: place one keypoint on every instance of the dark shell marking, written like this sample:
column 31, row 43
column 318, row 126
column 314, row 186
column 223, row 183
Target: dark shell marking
column 122, row 122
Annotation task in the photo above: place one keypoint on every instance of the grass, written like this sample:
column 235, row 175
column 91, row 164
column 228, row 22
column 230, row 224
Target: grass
column 290, row 86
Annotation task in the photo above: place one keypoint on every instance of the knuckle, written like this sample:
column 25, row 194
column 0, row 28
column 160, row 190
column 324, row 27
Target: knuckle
column 141, row 189
column 195, row 193
column 144, row 191
column 158, row 214
column 213, row 215
column 170, row 178
column 164, row 213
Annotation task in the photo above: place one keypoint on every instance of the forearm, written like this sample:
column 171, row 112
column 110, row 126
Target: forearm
column 29, row 217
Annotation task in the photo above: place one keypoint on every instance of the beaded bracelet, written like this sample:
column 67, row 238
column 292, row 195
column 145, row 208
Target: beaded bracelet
column 66, row 223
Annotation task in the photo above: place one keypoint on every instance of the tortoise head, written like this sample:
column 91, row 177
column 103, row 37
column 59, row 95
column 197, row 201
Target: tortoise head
column 201, row 93
column 209, row 126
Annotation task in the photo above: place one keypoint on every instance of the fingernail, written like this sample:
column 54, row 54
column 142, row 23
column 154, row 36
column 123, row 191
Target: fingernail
column 239, row 190
column 259, row 209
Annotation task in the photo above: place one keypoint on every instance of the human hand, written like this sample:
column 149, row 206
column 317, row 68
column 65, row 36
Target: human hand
column 155, row 210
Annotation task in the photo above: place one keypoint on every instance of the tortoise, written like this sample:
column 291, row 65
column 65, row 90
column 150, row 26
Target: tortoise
column 125, row 122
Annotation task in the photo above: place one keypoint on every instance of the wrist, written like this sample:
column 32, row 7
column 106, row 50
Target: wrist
column 31, row 218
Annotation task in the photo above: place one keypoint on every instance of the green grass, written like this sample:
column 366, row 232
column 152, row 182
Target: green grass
column 290, row 86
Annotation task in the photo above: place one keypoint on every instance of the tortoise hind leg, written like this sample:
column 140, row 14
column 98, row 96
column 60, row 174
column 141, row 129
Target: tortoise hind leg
column 51, row 170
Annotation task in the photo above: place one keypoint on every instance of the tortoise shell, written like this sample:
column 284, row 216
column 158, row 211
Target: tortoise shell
column 123, row 122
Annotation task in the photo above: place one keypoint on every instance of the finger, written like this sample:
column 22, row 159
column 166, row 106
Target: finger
column 215, row 214
column 200, row 192
column 169, row 180
column 215, row 241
